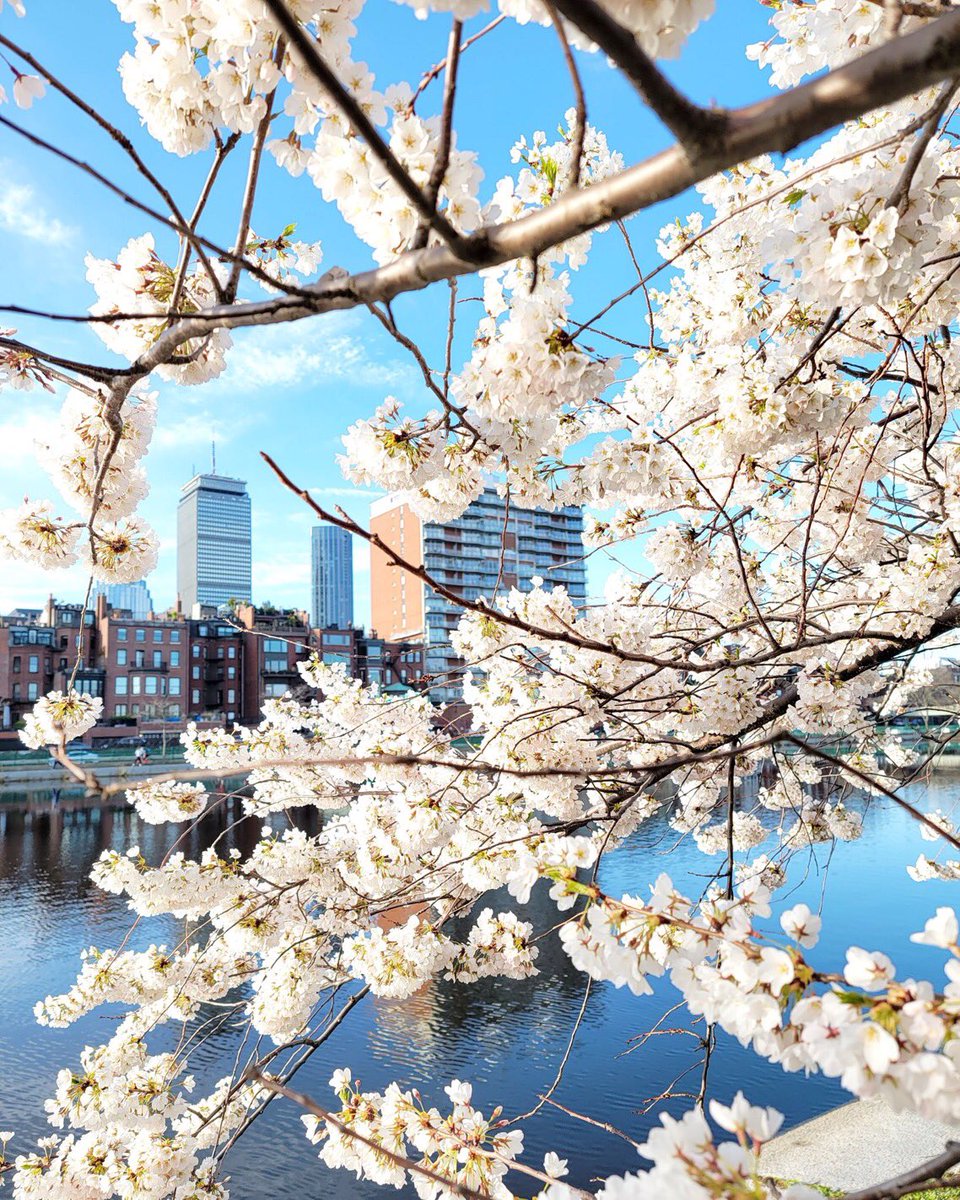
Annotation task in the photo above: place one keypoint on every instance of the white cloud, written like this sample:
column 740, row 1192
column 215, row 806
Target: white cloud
column 308, row 353
column 176, row 431
column 23, row 585
column 347, row 493
column 29, row 423
column 21, row 213
column 287, row 574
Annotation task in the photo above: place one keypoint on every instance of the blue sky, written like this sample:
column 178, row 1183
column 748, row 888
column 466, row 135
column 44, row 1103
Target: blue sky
column 290, row 390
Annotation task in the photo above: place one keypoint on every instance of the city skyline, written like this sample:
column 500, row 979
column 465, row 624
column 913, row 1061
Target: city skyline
column 301, row 598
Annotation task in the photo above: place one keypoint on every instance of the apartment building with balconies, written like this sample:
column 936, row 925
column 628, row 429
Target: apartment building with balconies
column 490, row 549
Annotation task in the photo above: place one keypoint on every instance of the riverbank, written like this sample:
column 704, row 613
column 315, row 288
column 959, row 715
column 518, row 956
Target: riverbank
column 855, row 1146
column 36, row 775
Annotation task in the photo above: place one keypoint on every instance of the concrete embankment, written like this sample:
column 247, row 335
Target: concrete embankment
column 855, row 1146
column 33, row 776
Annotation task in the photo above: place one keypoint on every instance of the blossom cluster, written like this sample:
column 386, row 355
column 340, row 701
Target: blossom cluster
column 93, row 459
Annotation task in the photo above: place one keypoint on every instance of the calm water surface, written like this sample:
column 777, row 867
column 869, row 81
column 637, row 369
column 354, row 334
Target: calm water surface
column 506, row 1038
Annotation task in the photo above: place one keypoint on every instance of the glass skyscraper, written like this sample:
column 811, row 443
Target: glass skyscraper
column 133, row 596
column 213, row 542
column 332, row 577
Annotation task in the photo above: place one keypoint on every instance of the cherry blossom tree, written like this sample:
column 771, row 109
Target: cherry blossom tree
column 779, row 446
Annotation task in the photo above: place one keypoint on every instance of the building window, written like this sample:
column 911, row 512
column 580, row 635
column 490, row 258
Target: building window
column 16, row 691
column 150, row 685
column 158, row 635
column 140, row 635
column 275, row 690
column 175, row 636
column 32, row 691
column 121, row 657
column 16, row 664
column 121, row 685
column 174, row 711
column 275, row 664
column 158, row 658
column 274, row 646
column 196, row 650
column 231, row 696
column 174, row 658
column 174, row 687
column 138, row 658
column 196, row 672
column 231, row 672
column 121, row 634
column 196, row 696
column 231, row 652
column 34, row 664
column 134, row 709
column 136, row 685
column 120, row 710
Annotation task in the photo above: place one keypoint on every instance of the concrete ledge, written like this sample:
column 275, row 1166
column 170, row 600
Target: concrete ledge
column 855, row 1146
column 41, row 775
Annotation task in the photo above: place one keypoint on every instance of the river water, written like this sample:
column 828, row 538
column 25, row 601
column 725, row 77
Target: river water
column 506, row 1037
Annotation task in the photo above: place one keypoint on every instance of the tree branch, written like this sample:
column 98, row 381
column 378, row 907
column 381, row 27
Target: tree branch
column 364, row 127
column 930, row 1172
column 580, row 132
column 697, row 129
column 442, row 161
column 879, row 77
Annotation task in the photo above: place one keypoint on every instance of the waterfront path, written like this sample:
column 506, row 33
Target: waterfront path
column 855, row 1146
column 31, row 776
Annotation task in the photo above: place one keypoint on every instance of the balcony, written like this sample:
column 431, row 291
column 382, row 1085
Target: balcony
column 149, row 668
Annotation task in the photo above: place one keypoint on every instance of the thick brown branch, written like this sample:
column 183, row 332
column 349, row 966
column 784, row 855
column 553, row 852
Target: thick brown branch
column 780, row 123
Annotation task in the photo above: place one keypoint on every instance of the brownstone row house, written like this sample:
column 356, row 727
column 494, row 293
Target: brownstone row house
column 156, row 674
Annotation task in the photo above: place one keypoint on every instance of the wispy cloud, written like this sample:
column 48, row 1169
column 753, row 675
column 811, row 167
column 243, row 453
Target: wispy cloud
column 328, row 349
column 177, row 430
column 21, row 428
column 22, row 214
column 347, row 493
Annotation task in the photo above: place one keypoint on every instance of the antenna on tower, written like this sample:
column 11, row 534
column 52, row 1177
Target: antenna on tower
column 213, row 456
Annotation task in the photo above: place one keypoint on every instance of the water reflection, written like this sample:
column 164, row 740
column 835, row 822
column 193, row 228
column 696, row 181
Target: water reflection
column 507, row 1037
